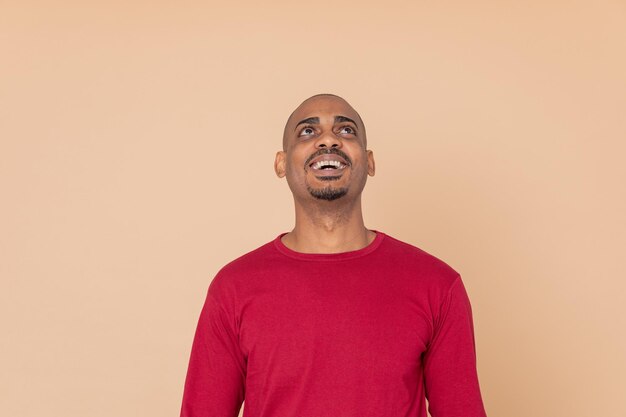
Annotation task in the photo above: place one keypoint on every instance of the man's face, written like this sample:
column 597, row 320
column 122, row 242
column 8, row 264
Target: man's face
column 325, row 155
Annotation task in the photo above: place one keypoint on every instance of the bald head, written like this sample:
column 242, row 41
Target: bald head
column 320, row 101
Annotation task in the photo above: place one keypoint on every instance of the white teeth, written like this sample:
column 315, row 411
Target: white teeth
column 320, row 164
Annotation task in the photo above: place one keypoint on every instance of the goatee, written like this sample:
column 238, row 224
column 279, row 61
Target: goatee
column 327, row 193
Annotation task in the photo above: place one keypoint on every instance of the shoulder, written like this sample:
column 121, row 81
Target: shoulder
column 418, row 262
column 236, row 272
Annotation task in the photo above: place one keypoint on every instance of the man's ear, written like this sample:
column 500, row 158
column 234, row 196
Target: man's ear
column 371, row 166
column 279, row 164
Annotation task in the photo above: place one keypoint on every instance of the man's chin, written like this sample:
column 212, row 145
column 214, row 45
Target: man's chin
column 328, row 193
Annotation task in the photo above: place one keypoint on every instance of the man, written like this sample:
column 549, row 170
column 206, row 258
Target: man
column 333, row 319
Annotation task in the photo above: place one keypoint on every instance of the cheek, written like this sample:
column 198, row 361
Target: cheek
column 292, row 165
column 295, row 160
column 295, row 168
column 359, row 159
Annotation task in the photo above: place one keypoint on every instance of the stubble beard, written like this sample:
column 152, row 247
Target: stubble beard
column 328, row 193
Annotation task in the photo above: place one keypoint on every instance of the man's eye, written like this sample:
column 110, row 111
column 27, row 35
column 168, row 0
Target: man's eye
column 347, row 129
column 307, row 131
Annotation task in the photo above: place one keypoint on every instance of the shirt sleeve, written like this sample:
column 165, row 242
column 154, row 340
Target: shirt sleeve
column 450, row 374
column 215, row 383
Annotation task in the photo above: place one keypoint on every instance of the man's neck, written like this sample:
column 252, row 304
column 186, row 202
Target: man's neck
column 328, row 227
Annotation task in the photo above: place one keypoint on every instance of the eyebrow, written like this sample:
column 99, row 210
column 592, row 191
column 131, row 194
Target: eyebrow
column 310, row 120
column 316, row 120
column 341, row 119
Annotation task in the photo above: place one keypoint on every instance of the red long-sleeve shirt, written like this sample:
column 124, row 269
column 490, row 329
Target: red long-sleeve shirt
column 365, row 333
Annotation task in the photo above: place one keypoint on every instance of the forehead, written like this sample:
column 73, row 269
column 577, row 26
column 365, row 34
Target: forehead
column 323, row 107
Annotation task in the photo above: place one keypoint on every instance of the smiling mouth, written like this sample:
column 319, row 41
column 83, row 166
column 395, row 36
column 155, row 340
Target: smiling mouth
column 328, row 166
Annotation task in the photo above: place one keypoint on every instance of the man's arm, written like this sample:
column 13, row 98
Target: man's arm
column 215, row 384
column 450, row 374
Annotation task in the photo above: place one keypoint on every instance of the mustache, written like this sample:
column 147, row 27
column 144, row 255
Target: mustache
column 328, row 151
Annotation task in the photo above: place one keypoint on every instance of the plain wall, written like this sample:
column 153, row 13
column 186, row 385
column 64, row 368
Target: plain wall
column 137, row 142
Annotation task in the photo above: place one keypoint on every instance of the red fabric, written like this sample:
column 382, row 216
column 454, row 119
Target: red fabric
column 366, row 333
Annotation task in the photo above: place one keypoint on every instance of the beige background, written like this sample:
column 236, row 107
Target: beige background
column 137, row 142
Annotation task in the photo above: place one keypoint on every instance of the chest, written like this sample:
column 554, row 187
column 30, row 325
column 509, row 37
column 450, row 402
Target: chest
column 334, row 327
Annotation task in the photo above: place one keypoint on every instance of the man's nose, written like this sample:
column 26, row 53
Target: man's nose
column 328, row 140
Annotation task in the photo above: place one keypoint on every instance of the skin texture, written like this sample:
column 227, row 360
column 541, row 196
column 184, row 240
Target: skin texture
column 329, row 217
